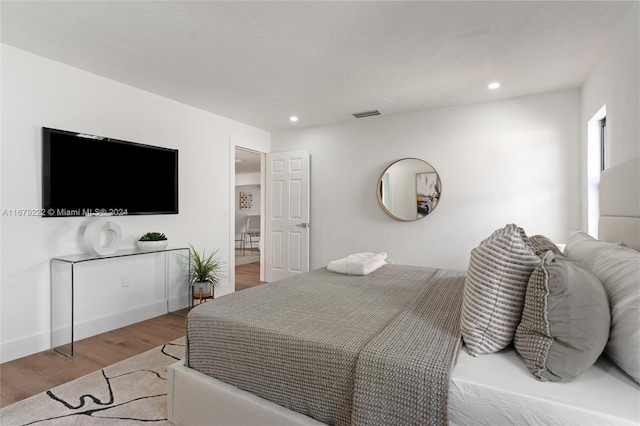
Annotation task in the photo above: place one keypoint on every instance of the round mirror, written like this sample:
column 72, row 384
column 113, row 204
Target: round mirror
column 409, row 189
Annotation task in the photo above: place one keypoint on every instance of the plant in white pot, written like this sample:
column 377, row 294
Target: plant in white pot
column 153, row 241
column 205, row 272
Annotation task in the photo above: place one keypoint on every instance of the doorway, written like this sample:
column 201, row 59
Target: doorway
column 248, row 208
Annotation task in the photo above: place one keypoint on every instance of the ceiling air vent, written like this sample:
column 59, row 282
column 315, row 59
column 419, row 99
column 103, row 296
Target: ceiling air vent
column 366, row 114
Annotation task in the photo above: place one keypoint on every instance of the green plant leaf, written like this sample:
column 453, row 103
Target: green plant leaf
column 153, row 236
column 205, row 268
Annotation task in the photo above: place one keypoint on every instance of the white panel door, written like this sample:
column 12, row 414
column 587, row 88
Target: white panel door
column 287, row 215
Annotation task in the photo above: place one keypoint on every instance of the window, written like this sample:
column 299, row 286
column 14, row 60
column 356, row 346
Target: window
column 597, row 147
column 603, row 144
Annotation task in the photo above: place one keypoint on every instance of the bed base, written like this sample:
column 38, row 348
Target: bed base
column 197, row 399
column 194, row 398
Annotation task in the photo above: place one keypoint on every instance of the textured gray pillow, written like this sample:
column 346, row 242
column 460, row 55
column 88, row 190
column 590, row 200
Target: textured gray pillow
column 494, row 291
column 541, row 245
column 565, row 321
column 618, row 268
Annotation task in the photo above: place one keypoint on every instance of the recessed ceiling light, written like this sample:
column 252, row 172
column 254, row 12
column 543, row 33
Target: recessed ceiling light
column 494, row 85
column 293, row 118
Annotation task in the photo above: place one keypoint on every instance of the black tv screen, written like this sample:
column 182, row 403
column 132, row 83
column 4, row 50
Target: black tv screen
column 86, row 175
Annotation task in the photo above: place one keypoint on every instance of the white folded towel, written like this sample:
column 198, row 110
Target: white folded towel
column 358, row 263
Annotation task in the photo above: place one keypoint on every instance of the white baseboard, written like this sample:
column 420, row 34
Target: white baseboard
column 42, row 341
column 177, row 303
column 25, row 346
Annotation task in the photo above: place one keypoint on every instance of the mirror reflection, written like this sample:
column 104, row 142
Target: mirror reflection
column 409, row 189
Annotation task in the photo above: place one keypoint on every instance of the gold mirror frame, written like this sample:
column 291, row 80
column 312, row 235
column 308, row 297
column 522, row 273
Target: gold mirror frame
column 409, row 189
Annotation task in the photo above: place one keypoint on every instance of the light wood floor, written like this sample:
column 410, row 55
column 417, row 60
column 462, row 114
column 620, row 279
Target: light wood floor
column 247, row 276
column 24, row 377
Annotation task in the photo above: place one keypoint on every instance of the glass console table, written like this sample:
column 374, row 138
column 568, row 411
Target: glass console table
column 62, row 290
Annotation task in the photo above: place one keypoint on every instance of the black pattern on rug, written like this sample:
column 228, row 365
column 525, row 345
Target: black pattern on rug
column 133, row 391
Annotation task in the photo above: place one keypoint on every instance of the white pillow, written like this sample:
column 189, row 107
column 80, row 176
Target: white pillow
column 618, row 268
column 494, row 291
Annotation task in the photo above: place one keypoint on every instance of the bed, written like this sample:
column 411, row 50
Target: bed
column 385, row 348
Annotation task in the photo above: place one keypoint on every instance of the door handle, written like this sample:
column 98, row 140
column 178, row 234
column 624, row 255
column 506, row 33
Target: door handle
column 303, row 225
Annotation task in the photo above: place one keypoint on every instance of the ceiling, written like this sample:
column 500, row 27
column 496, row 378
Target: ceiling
column 261, row 62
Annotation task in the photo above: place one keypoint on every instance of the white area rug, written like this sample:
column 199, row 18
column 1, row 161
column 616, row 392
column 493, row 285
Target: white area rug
column 248, row 257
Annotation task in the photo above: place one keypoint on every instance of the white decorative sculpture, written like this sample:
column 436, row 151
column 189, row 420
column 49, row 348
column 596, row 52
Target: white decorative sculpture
column 93, row 237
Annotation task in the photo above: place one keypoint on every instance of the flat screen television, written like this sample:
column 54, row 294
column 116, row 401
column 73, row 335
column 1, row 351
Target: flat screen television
column 88, row 175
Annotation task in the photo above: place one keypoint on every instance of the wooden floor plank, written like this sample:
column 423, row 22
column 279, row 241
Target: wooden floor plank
column 247, row 276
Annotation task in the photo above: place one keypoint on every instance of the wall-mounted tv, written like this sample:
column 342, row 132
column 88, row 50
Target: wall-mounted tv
column 87, row 175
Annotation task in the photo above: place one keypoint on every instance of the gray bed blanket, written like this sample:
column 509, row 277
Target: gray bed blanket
column 362, row 350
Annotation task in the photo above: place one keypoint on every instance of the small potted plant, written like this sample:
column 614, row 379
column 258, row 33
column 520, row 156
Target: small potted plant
column 152, row 241
column 205, row 272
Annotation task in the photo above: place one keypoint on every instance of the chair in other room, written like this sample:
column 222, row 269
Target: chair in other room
column 253, row 229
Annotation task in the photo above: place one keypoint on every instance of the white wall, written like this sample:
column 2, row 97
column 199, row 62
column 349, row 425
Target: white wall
column 38, row 92
column 614, row 82
column 513, row 161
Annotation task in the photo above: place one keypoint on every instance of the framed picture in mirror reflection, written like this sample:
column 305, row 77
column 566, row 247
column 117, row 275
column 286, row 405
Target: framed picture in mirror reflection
column 427, row 192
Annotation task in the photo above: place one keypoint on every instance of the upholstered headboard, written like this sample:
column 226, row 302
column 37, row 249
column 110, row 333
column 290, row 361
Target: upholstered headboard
column 620, row 204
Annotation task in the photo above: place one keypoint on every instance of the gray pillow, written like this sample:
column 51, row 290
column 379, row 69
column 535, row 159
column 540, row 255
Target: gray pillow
column 618, row 268
column 541, row 245
column 494, row 291
column 565, row 321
